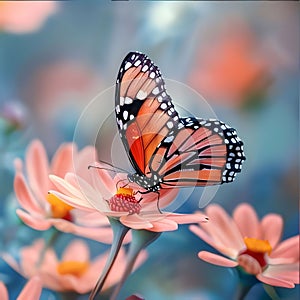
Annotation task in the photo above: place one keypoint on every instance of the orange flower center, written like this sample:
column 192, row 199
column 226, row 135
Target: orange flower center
column 253, row 258
column 59, row 208
column 258, row 246
column 124, row 201
column 76, row 268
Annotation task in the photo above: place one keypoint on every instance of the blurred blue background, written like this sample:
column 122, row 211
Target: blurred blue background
column 242, row 57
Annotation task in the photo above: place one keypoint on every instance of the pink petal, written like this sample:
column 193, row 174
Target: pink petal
column 135, row 222
column 38, row 223
column 37, row 168
column 29, row 257
column 25, row 197
column 18, row 165
column 223, row 229
column 106, row 184
column 87, row 192
column 161, row 225
column 188, row 218
column 12, row 262
column 274, row 281
column 32, row 289
column 52, row 281
column 3, row 292
column 209, row 240
column 288, row 272
column 271, row 228
column 100, row 234
column 217, row 259
column 76, row 249
column 151, row 201
column 75, row 202
column 288, row 249
column 89, row 219
column 247, row 221
column 65, row 187
column 86, row 157
column 62, row 161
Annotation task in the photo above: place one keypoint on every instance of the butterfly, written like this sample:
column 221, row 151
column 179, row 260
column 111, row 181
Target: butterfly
column 165, row 150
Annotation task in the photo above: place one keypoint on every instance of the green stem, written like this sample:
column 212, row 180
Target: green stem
column 271, row 292
column 140, row 240
column 119, row 232
column 242, row 291
column 49, row 243
column 247, row 281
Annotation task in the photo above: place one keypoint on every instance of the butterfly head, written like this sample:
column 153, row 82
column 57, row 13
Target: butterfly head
column 151, row 184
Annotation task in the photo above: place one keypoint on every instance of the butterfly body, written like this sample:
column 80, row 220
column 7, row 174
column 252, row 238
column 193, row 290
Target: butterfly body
column 165, row 150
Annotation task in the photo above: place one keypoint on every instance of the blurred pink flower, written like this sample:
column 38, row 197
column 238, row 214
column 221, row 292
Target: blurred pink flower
column 251, row 244
column 122, row 204
column 25, row 16
column 41, row 210
column 74, row 272
column 230, row 68
column 32, row 290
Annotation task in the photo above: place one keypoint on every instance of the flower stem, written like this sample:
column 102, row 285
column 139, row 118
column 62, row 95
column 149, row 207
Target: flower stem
column 119, row 232
column 140, row 240
column 246, row 282
column 271, row 292
column 54, row 234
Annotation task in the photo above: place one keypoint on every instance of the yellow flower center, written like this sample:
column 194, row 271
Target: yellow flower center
column 76, row 268
column 59, row 208
column 125, row 191
column 258, row 246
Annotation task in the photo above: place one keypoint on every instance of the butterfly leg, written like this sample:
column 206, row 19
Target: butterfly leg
column 117, row 184
column 157, row 203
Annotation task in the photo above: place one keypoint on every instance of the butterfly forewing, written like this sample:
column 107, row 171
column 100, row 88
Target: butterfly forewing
column 144, row 111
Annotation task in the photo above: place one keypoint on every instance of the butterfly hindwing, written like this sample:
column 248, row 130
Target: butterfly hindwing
column 203, row 152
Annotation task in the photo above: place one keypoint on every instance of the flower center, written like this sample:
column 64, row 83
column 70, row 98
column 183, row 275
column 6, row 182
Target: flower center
column 76, row 268
column 253, row 258
column 124, row 201
column 59, row 208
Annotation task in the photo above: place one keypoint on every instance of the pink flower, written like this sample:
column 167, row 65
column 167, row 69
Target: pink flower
column 24, row 16
column 32, row 290
column 42, row 210
column 251, row 244
column 74, row 272
column 230, row 67
column 122, row 204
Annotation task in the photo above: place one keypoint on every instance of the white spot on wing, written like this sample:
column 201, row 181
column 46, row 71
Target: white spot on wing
column 145, row 68
column 127, row 65
column 163, row 106
column 155, row 91
column 141, row 95
column 128, row 100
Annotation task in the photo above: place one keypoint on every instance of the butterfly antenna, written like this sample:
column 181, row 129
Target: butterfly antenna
column 114, row 167
column 101, row 168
